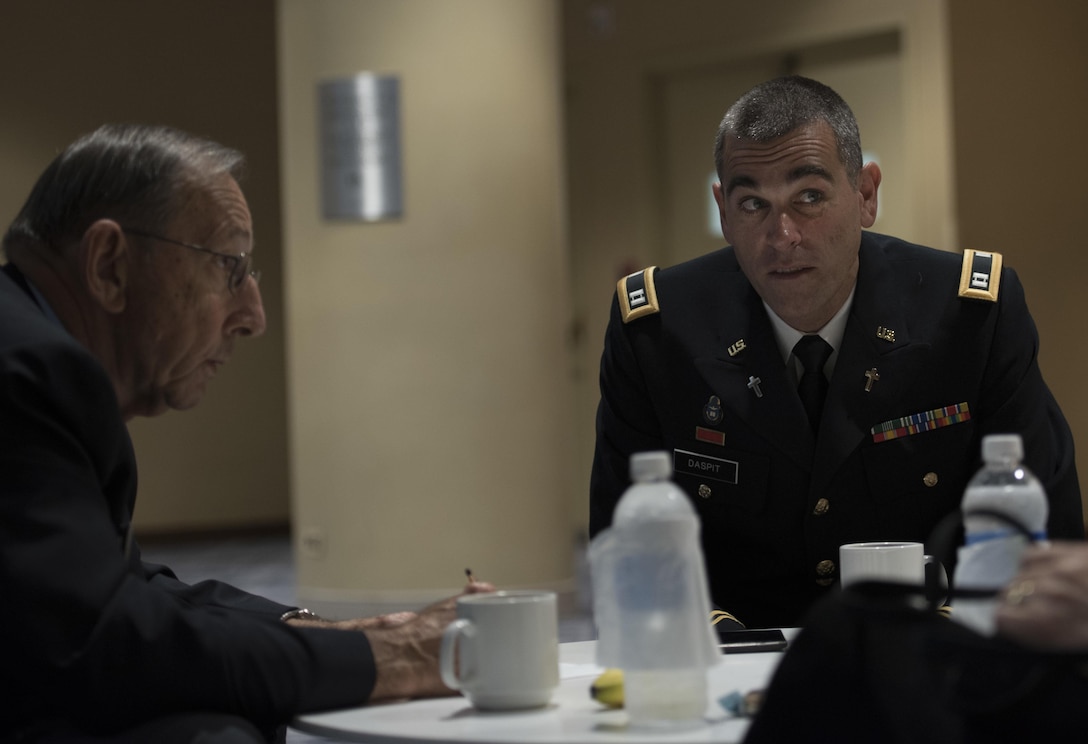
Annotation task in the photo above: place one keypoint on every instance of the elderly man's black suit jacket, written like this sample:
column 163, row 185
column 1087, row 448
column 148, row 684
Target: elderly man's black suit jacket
column 90, row 634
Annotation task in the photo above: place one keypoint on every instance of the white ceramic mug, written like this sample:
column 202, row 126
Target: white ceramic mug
column 502, row 651
column 885, row 561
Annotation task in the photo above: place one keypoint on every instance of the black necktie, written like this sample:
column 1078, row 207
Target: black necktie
column 813, row 352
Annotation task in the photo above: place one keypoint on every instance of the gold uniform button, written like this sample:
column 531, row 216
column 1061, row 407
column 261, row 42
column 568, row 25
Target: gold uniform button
column 930, row 479
column 821, row 507
column 704, row 491
column 825, row 568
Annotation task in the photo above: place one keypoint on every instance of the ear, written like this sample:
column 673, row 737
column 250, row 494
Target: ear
column 104, row 264
column 719, row 198
column 868, row 183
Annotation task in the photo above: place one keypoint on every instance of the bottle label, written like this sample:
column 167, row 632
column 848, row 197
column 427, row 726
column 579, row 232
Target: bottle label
column 980, row 537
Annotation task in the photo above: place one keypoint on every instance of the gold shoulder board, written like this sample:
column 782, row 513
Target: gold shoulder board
column 637, row 294
column 980, row 277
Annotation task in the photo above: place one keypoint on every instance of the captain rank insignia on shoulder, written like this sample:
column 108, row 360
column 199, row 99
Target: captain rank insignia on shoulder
column 637, row 294
column 980, row 275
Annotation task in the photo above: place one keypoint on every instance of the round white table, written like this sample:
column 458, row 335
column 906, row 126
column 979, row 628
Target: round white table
column 572, row 716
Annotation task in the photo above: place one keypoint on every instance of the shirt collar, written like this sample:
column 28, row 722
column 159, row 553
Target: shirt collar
column 832, row 332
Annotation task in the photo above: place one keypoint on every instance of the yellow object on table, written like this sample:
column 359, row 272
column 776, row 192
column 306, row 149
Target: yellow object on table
column 607, row 689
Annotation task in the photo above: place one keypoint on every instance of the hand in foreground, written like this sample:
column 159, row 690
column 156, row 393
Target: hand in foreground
column 406, row 652
column 1045, row 606
column 389, row 620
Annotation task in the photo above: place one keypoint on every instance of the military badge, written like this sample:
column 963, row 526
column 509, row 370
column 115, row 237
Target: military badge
column 980, row 275
column 712, row 411
column 921, row 422
column 637, row 295
column 710, row 436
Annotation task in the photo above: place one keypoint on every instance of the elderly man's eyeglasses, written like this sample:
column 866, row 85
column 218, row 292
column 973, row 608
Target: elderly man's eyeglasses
column 239, row 265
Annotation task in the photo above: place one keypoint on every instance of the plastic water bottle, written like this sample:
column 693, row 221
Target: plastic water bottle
column 992, row 548
column 651, row 601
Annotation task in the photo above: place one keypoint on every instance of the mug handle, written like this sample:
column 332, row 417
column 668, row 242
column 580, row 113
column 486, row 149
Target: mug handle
column 942, row 578
column 446, row 665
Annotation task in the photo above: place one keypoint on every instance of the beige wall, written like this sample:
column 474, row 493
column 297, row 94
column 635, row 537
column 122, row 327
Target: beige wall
column 428, row 372
column 1020, row 81
column 1017, row 76
column 208, row 67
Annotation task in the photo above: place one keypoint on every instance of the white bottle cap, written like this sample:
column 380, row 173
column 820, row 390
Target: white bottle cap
column 650, row 466
column 1002, row 448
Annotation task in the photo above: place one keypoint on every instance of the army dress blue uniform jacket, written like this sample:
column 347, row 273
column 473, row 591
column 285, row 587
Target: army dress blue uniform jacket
column 92, row 636
column 702, row 377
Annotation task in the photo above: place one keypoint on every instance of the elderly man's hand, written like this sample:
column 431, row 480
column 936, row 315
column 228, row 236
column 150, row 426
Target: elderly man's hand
column 1045, row 606
column 406, row 648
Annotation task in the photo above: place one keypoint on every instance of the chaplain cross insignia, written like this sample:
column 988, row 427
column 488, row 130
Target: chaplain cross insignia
column 871, row 376
column 753, row 385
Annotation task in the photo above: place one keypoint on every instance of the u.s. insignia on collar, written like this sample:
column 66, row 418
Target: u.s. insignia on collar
column 737, row 347
column 980, row 275
column 637, row 294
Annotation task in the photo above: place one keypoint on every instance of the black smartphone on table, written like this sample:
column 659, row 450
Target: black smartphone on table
column 749, row 641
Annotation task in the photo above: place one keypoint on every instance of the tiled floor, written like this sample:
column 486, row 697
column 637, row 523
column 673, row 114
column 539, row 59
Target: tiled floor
column 263, row 565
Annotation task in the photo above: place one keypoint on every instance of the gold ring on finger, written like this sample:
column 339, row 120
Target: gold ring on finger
column 1018, row 593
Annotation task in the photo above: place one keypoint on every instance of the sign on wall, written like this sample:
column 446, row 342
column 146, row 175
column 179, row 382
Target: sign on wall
column 360, row 148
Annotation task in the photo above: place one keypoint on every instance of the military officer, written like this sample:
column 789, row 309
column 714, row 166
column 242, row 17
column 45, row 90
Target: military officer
column 919, row 353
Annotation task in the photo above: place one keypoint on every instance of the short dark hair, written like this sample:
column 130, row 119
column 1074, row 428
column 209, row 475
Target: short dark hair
column 129, row 172
column 777, row 107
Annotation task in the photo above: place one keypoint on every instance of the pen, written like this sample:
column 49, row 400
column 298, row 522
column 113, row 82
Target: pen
column 468, row 574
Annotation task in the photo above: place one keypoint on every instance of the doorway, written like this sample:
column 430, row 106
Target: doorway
column 865, row 71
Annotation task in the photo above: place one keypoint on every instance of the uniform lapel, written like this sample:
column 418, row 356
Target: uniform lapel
column 876, row 341
column 775, row 412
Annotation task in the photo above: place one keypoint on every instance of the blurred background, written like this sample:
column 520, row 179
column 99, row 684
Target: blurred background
column 423, row 400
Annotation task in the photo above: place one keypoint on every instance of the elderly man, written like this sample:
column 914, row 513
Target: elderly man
column 915, row 355
column 130, row 279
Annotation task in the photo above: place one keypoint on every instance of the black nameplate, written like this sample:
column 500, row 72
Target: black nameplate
column 703, row 466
